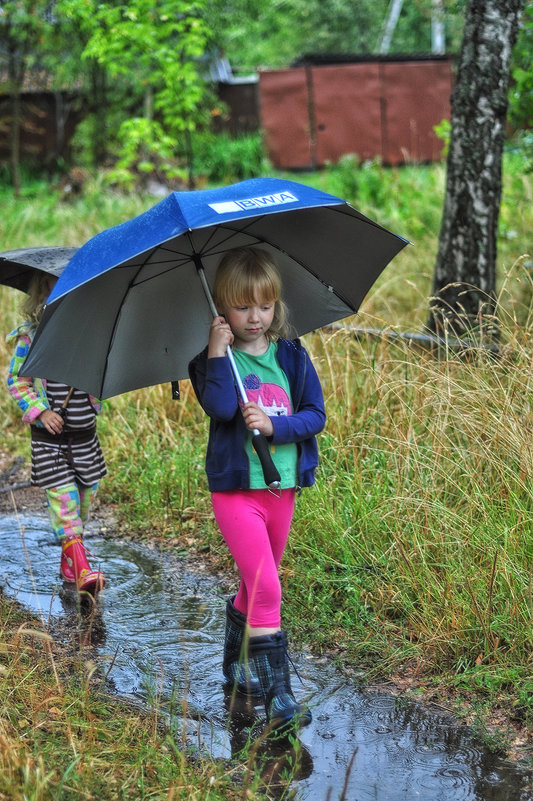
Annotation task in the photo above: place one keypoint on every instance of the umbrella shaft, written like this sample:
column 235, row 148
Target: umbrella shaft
column 214, row 312
column 238, row 381
column 205, row 286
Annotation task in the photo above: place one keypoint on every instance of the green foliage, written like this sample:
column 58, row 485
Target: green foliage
column 24, row 31
column 444, row 131
column 285, row 30
column 154, row 51
column 521, row 94
column 225, row 159
column 522, row 145
column 24, row 39
column 144, row 148
column 159, row 45
column 97, row 135
column 363, row 183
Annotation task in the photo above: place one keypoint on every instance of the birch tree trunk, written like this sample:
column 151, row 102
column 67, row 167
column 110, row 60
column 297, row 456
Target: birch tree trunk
column 464, row 289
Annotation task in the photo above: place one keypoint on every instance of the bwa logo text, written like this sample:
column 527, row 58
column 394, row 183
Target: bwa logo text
column 246, row 204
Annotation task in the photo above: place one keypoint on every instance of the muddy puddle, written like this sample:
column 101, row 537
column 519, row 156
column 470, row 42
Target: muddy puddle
column 158, row 636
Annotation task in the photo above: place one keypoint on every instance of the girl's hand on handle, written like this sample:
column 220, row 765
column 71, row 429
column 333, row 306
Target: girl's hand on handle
column 220, row 337
column 52, row 421
column 254, row 417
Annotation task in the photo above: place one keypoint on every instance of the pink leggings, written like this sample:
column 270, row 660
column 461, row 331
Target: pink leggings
column 255, row 525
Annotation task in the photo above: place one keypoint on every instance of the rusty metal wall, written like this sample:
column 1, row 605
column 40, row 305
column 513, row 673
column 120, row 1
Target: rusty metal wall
column 312, row 115
column 416, row 96
column 347, row 110
column 242, row 108
column 284, row 110
column 47, row 126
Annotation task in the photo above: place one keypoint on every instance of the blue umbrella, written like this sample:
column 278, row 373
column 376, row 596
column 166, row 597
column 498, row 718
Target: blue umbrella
column 130, row 311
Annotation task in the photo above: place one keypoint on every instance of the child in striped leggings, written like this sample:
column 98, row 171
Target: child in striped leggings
column 66, row 458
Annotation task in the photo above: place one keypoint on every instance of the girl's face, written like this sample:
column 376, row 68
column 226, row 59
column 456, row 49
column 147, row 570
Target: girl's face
column 250, row 323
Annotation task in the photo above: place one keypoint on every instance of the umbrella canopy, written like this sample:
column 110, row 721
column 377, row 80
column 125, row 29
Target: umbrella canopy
column 17, row 267
column 129, row 310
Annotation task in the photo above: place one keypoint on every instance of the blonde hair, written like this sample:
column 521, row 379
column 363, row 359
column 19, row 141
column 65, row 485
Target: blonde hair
column 246, row 276
column 38, row 292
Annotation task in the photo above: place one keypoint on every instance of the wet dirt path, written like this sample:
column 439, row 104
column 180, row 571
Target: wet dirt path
column 158, row 635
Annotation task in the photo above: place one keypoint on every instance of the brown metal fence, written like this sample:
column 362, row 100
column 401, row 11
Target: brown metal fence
column 48, row 122
column 312, row 115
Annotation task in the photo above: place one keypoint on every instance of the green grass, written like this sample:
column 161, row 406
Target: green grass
column 61, row 737
column 414, row 549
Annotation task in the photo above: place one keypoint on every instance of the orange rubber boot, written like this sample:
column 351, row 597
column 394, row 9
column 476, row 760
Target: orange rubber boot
column 75, row 568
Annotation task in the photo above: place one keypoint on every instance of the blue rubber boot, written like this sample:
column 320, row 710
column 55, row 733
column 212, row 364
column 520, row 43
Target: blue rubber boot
column 268, row 655
column 236, row 666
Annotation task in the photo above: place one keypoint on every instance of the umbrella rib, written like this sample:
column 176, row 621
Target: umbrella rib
column 232, row 232
column 224, row 227
column 183, row 260
column 115, row 323
column 265, row 241
column 177, row 235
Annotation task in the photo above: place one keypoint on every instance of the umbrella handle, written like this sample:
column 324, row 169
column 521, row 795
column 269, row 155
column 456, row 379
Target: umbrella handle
column 62, row 411
column 259, row 441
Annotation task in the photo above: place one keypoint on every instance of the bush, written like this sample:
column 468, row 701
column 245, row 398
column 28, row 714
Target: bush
column 224, row 159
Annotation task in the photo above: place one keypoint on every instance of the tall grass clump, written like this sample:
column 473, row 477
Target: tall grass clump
column 224, row 159
column 416, row 542
column 40, row 217
column 62, row 738
column 153, row 454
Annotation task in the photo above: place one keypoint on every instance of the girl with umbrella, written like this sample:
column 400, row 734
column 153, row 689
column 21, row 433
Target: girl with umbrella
column 66, row 458
column 285, row 404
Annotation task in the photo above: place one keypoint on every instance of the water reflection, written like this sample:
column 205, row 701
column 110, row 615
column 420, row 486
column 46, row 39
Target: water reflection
column 157, row 632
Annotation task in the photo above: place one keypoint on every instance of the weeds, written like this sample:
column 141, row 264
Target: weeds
column 62, row 737
column 222, row 158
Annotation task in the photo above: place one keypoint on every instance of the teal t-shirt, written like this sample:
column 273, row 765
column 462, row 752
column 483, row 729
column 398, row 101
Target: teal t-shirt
column 267, row 385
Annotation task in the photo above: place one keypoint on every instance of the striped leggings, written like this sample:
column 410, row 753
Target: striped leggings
column 68, row 507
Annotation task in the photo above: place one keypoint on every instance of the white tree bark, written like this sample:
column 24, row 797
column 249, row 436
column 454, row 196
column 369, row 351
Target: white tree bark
column 393, row 14
column 438, row 36
column 465, row 273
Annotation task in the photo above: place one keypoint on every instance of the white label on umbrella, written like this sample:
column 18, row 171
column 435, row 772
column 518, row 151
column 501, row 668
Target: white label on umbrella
column 253, row 203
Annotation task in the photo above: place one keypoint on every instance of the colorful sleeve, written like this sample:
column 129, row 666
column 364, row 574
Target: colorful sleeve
column 22, row 389
column 96, row 404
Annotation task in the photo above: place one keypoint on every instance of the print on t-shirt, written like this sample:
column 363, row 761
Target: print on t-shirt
column 271, row 398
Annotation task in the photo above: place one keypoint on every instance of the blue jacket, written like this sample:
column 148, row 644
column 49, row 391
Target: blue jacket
column 226, row 461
